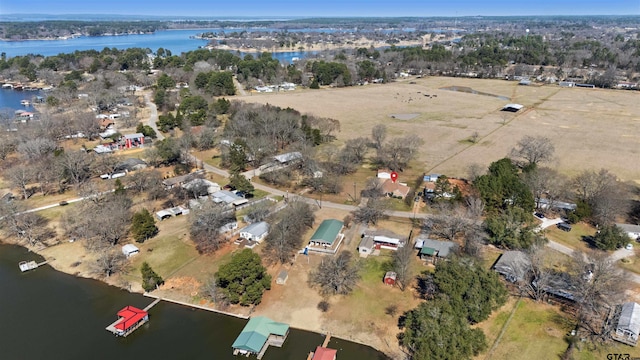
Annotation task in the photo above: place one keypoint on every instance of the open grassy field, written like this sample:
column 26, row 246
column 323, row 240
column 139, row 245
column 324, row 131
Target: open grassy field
column 536, row 331
column 574, row 238
column 590, row 128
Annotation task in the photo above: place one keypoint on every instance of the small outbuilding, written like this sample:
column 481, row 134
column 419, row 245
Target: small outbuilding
column 283, row 275
column 512, row 107
column 130, row 250
column 323, row 353
column 365, row 248
column 390, row 278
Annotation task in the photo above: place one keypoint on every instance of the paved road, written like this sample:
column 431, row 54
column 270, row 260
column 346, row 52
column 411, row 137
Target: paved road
column 616, row 256
column 153, row 114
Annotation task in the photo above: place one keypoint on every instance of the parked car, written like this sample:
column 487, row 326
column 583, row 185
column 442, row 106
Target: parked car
column 539, row 215
column 63, row 203
column 564, row 227
column 629, row 246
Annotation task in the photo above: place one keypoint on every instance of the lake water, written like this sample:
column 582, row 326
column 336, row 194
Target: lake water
column 46, row 314
column 10, row 100
column 178, row 41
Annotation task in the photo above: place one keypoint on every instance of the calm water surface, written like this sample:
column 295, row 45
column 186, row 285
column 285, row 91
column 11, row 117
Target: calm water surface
column 46, row 314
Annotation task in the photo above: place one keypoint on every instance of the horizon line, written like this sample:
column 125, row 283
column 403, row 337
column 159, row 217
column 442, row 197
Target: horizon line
column 292, row 17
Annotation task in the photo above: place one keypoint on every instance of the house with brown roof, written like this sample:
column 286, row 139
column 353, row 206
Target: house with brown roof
column 395, row 189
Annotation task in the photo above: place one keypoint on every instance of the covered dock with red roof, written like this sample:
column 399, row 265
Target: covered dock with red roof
column 130, row 319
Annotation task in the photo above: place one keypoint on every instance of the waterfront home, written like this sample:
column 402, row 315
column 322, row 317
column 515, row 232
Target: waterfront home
column 255, row 232
column 328, row 237
column 258, row 334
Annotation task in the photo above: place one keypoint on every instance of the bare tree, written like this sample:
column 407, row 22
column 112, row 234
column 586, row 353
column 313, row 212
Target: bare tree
column 336, row 275
column 109, row 262
column 259, row 212
column 537, row 274
column 402, row 265
column 285, row 237
column 533, row 149
column 357, row 148
column 144, row 180
column 603, row 193
column 76, row 166
column 205, row 223
column 8, row 145
column 475, row 206
column 20, row 176
column 29, row 226
column 449, row 224
column 599, row 285
column 373, row 211
column 36, row 148
column 378, row 135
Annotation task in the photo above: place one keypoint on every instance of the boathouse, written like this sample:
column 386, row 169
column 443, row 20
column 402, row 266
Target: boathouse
column 324, row 353
column 130, row 319
column 258, row 334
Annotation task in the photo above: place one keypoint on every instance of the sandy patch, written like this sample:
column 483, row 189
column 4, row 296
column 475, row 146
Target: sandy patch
column 404, row 116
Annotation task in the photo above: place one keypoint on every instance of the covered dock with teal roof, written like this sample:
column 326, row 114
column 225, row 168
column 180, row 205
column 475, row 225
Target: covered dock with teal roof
column 258, row 334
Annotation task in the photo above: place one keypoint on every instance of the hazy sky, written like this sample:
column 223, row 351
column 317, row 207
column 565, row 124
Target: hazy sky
column 323, row 7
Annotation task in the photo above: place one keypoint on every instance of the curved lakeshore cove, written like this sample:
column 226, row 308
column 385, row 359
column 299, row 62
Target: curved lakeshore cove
column 178, row 41
column 46, row 314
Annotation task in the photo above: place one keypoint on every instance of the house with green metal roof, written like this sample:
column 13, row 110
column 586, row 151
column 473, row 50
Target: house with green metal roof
column 258, row 334
column 433, row 249
column 328, row 237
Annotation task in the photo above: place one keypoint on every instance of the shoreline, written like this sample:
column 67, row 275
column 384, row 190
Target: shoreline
column 314, row 48
column 115, row 281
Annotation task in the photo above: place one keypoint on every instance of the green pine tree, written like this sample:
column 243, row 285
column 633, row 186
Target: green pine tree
column 143, row 226
column 150, row 279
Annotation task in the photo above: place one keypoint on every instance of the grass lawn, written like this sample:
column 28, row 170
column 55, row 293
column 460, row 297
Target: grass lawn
column 573, row 238
column 631, row 263
column 366, row 309
column 166, row 252
column 536, row 331
column 586, row 351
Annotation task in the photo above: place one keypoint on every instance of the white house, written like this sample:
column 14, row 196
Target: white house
column 365, row 248
column 633, row 231
column 255, row 232
column 229, row 227
column 225, row 196
column 130, row 250
column 385, row 242
column 628, row 325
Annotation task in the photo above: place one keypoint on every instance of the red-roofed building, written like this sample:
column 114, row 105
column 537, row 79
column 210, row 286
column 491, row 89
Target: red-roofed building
column 130, row 319
column 323, row 353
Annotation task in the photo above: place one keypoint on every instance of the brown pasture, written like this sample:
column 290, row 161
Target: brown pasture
column 590, row 128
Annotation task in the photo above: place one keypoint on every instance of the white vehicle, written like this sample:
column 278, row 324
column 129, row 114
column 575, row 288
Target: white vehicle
column 629, row 246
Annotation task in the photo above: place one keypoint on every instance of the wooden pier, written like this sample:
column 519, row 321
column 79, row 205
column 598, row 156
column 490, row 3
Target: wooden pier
column 152, row 304
column 30, row 265
column 327, row 338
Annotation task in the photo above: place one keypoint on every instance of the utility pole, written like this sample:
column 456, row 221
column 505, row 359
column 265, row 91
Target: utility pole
column 355, row 194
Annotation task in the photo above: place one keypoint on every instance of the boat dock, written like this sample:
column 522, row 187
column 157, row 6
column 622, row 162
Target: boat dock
column 326, row 340
column 30, row 265
column 152, row 304
column 129, row 319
